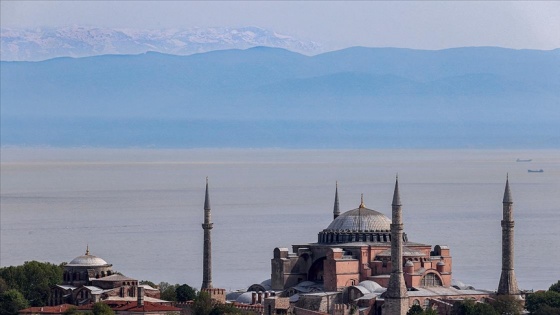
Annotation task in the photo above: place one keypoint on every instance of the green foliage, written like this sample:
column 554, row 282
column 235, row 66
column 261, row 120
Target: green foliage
column 185, row 293
column 175, row 292
column 220, row 309
column 484, row 309
column 167, row 291
column 164, row 285
column 539, row 300
column 547, row 310
column 100, row 308
column 33, row 279
column 202, row 304
column 415, row 310
column 555, row 287
column 470, row 307
column 3, row 285
column 71, row 311
column 11, row 301
column 507, row 305
column 429, row 311
column 465, row 307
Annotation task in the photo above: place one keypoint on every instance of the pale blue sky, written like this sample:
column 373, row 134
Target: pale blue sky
column 412, row 24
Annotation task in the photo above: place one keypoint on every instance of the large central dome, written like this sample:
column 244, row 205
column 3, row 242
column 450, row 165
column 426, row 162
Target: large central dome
column 360, row 219
column 357, row 225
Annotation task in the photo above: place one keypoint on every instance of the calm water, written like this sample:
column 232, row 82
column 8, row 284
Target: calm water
column 141, row 209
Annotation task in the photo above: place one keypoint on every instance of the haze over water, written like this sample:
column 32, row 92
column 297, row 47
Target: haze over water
column 141, row 209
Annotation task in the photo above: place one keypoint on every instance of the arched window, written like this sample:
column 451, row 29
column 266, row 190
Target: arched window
column 416, row 302
column 431, row 280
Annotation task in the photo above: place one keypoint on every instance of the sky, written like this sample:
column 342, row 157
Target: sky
column 336, row 24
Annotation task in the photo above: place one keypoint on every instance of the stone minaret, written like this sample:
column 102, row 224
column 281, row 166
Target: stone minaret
column 508, row 282
column 336, row 210
column 396, row 298
column 207, row 259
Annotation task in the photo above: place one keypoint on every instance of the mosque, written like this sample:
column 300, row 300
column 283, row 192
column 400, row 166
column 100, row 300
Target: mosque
column 365, row 259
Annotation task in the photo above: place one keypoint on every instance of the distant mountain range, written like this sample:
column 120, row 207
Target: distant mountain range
column 80, row 41
column 478, row 97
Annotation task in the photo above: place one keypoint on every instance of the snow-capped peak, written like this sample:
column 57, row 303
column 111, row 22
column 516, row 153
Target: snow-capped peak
column 81, row 41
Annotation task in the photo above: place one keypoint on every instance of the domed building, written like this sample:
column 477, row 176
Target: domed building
column 83, row 269
column 89, row 279
column 356, row 247
column 365, row 259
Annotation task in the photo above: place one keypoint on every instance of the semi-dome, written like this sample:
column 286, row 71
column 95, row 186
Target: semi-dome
column 360, row 219
column 371, row 286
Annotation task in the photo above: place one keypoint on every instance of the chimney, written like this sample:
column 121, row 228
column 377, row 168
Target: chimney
column 140, row 296
column 266, row 294
column 253, row 298
column 259, row 297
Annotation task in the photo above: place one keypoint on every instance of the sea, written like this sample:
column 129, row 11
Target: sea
column 141, row 209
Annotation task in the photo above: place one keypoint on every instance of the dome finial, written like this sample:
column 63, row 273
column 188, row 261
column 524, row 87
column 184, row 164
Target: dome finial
column 362, row 205
column 87, row 250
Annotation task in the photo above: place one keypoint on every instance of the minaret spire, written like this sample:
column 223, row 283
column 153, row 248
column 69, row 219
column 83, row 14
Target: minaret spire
column 336, row 210
column 508, row 281
column 396, row 195
column 396, row 298
column 207, row 255
column 507, row 192
column 207, row 197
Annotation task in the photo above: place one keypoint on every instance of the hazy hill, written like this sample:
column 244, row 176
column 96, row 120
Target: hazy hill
column 268, row 97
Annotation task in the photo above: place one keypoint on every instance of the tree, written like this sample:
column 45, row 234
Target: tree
column 163, row 286
column 465, row 307
column 3, row 285
column 429, row 311
column 547, row 310
column 203, row 304
column 167, row 291
column 11, row 301
column 484, row 309
column 220, row 309
column 101, row 308
column 71, row 311
column 33, row 279
column 507, row 305
column 415, row 310
column 555, row 287
column 185, row 293
column 540, row 299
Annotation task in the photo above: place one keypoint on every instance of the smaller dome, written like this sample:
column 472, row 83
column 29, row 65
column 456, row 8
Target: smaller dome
column 245, row 298
column 441, row 263
column 409, row 264
column 87, row 260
